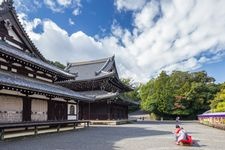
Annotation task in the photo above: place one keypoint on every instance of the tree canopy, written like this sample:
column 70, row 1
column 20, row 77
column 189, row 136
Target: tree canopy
column 58, row 64
column 133, row 95
column 180, row 93
column 218, row 103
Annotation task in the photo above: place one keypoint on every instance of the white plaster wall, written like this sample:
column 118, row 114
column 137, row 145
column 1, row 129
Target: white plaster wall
column 10, row 109
column 39, row 110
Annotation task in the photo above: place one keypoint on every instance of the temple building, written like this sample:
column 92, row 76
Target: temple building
column 99, row 79
column 33, row 90
column 28, row 92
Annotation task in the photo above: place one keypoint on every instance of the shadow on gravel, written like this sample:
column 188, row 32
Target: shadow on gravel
column 195, row 144
column 93, row 138
column 164, row 122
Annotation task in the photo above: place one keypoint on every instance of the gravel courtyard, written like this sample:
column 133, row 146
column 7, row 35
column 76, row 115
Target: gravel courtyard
column 143, row 135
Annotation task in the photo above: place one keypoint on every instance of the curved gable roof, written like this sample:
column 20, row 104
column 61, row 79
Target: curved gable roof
column 89, row 70
column 8, row 12
column 94, row 70
column 21, row 42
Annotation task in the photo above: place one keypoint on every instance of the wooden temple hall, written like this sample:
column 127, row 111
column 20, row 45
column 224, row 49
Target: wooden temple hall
column 33, row 90
column 99, row 79
column 27, row 80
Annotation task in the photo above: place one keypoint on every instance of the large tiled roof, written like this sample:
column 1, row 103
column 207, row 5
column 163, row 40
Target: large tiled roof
column 100, row 94
column 104, row 95
column 94, row 70
column 15, row 52
column 7, row 8
column 99, row 77
column 22, row 82
column 89, row 70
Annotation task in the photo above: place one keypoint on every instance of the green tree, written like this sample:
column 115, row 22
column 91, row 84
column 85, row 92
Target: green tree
column 218, row 103
column 134, row 94
column 147, row 95
column 180, row 93
column 58, row 64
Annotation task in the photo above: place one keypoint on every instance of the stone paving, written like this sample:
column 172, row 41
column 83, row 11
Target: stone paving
column 143, row 135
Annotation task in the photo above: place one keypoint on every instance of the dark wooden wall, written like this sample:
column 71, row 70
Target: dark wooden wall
column 119, row 111
column 57, row 110
column 102, row 111
column 26, row 109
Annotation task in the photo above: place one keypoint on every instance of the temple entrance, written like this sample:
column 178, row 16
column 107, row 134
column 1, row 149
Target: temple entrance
column 57, row 110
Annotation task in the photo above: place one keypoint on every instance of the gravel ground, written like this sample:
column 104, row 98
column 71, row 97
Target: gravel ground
column 143, row 135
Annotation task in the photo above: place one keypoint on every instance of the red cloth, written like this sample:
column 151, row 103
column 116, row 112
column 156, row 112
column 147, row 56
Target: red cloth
column 188, row 141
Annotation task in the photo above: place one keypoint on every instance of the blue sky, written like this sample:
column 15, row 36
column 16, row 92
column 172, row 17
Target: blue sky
column 145, row 36
column 96, row 17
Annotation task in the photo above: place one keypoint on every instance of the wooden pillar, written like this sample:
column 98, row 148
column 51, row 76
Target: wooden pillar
column 89, row 111
column 58, row 128
column 26, row 108
column 35, row 130
column 77, row 110
column 74, row 126
column 126, row 112
column 109, row 111
column 67, row 110
column 80, row 112
column 50, row 108
column 2, row 134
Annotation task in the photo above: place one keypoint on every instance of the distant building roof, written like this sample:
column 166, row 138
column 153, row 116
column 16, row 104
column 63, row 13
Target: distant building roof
column 105, row 95
column 95, row 70
column 216, row 114
column 100, row 94
column 89, row 70
column 21, row 82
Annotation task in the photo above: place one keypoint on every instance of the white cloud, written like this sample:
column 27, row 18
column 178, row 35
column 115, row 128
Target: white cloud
column 37, row 4
column 169, row 35
column 77, row 8
column 53, row 5
column 64, row 2
column 71, row 22
column 166, row 35
column 26, row 6
column 145, row 18
column 129, row 4
column 61, row 5
column 55, row 43
column 76, row 12
column 30, row 25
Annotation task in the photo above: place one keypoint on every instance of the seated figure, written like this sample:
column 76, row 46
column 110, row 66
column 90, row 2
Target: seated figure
column 177, row 130
column 183, row 138
column 182, row 135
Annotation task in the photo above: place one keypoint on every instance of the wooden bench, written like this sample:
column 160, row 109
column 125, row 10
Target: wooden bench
column 35, row 125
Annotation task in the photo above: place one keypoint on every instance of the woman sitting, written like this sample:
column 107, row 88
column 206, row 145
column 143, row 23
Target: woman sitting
column 182, row 136
column 177, row 130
